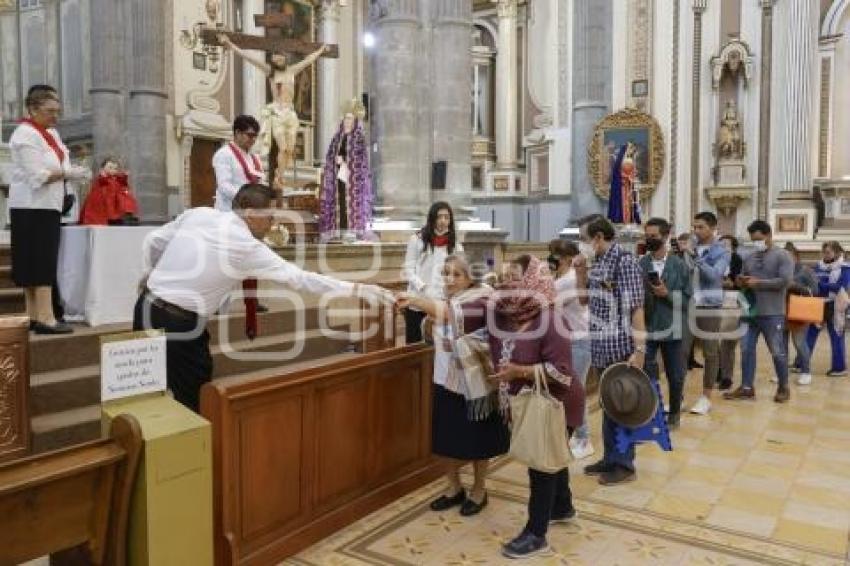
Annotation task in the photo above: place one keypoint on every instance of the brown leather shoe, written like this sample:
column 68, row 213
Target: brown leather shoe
column 741, row 393
column 783, row 395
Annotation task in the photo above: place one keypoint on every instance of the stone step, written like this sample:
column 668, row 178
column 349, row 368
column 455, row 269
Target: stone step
column 6, row 277
column 58, row 430
column 53, row 353
column 12, row 300
column 65, row 389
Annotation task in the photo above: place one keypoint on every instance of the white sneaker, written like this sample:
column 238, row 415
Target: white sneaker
column 804, row 379
column 773, row 379
column 702, row 406
column 581, row 448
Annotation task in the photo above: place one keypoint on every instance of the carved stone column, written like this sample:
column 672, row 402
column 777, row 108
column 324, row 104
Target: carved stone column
column 401, row 165
column 329, row 104
column 800, row 33
column 253, row 80
column 147, row 107
column 451, row 45
column 765, row 99
column 506, row 86
column 108, row 65
column 699, row 7
column 592, row 60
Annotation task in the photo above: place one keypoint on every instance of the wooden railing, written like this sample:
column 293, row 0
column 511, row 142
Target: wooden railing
column 300, row 454
column 14, row 387
column 73, row 503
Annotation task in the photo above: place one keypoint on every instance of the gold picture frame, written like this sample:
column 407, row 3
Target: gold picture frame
column 628, row 125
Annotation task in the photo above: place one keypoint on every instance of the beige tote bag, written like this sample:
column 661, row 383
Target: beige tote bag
column 539, row 430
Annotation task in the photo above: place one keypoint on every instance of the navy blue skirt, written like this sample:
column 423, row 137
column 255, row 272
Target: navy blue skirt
column 453, row 435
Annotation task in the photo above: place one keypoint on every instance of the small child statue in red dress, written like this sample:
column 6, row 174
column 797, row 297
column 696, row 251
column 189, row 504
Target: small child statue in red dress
column 110, row 200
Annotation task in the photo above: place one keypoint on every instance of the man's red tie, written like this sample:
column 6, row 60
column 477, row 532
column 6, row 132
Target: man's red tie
column 249, row 290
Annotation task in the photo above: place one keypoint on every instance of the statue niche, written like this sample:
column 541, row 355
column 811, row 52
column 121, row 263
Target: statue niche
column 729, row 142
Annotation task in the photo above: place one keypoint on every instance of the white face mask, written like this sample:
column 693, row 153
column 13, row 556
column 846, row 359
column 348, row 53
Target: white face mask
column 759, row 245
column 587, row 250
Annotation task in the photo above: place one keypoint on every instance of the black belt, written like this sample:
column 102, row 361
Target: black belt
column 170, row 308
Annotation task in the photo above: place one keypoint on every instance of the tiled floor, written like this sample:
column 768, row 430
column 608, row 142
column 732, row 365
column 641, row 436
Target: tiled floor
column 753, row 482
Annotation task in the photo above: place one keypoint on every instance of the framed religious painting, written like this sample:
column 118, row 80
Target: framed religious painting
column 631, row 133
column 298, row 23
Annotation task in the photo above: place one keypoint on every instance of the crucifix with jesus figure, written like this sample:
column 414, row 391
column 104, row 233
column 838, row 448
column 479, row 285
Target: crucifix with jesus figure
column 279, row 121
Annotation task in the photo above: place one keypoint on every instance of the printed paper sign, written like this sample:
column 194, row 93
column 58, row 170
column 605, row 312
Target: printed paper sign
column 132, row 364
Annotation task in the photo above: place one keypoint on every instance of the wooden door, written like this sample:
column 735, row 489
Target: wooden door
column 202, row 174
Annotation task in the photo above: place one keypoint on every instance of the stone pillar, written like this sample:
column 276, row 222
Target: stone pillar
column 329, row 103
column 699, row 7
column 451, row 46
column 506, row 86
column 147, row 107
column 398, row 64
column 253, row 80
column 800, row 35
column 592, row 61
column 765, row 99
column 108, row 64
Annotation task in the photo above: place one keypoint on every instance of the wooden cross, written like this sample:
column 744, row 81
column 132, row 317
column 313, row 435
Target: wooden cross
column 270, row 44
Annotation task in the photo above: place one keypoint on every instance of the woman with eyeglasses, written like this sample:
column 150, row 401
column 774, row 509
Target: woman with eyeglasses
column 40, row 167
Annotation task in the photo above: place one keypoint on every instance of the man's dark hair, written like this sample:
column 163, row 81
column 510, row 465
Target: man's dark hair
column 598, row 224
column 429, row 230
column 245, row 123
column 759, row 226
column 834, row 245
column 37, row 95
column 732, row 239
column 684, row 236
column 253, row 195
column 707, row 217
column 663, row 225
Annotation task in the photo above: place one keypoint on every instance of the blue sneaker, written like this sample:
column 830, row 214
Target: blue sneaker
column 526, row 545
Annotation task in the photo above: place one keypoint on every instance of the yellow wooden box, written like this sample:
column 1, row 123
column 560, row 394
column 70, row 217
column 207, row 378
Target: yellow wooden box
column 171, row 510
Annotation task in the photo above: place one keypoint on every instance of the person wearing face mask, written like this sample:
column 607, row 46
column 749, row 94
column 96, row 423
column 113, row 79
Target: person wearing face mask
column 806, row 284
column 710, row 261
column 426, row 253
column 567, row 284
column 730, row 345
column 667, row 288
column 682, row 247
column 832, row 274
column 617, row 326
column 767, row 274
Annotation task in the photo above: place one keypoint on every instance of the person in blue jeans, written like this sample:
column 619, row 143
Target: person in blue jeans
column 804, row 284
column 667, row 289
column 767, row 274
column 832, row 274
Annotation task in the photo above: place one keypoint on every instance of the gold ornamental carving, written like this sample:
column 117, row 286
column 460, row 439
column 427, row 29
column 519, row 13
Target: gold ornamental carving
column 641, row 131
column 10, row 377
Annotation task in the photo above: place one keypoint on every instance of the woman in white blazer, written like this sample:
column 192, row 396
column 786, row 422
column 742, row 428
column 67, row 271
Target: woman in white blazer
column 426, row 254
column 40, row 167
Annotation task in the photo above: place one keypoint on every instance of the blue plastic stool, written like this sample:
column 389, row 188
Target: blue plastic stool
column 654, row 431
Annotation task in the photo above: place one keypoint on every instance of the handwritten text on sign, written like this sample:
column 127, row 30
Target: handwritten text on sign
column 132, row 367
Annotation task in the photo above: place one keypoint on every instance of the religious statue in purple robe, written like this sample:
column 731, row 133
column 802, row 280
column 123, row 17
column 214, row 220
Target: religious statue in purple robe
column 346, row 196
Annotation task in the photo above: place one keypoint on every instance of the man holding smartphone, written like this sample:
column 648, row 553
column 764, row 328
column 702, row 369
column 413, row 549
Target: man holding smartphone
column 667, row 289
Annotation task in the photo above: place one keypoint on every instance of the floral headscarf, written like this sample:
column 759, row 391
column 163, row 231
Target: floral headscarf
column 522, row 300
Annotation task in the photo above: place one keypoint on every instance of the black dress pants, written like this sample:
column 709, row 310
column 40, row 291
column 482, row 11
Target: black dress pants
column 187, row 351
column 549, row 495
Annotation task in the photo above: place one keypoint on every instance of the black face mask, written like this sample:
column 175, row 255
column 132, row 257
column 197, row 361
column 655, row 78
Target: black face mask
column 554, row 263
column 654, row 244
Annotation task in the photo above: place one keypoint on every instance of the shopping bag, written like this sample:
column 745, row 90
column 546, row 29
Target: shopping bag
column 539, row 430
column 805, row 309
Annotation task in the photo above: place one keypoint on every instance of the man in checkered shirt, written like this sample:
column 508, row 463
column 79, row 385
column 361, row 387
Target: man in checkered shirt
column 617, row 329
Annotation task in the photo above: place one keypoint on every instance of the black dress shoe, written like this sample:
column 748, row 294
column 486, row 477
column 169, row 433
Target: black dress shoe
column 598, row 468
column 725, row 384
column 262, row 308
column 58, row 328
column 470, row 508
column 442, row 503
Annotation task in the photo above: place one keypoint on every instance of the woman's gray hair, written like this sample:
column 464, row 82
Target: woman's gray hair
column 475, row 271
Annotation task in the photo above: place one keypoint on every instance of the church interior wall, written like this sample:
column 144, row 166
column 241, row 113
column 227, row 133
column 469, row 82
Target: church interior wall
column 840, row 156
column 709, row 107
column 660, row 45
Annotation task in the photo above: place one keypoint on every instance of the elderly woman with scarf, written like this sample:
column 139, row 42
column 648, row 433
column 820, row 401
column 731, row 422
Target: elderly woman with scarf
column 465, row 423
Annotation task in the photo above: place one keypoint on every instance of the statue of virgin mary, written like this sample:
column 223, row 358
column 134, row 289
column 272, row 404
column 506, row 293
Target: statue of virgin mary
column 346, row 196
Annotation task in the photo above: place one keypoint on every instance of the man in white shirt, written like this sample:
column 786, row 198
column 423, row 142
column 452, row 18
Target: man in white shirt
column 235, row 165
column 196, row 261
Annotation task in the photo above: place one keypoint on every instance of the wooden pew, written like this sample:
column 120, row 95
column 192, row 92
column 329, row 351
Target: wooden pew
column 14, row 387
column 303, row 452
column 73, row 503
